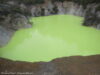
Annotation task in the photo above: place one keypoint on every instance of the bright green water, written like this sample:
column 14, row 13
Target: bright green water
column 52, row 37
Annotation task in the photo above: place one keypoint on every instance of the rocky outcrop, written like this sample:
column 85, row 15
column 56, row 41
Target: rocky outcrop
column 74, row 65
column 11, row 20
column 5, row 36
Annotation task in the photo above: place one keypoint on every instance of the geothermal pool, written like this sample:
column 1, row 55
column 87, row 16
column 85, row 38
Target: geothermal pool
column 52, row 37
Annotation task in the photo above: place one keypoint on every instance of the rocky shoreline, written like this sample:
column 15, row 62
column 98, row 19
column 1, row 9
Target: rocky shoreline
column 11, row 20
column 74, row 65
column 15, row 14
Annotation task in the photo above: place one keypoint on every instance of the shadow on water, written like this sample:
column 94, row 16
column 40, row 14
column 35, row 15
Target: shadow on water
column 52, row 37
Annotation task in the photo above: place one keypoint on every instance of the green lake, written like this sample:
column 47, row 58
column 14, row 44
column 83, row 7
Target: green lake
column 53, row 37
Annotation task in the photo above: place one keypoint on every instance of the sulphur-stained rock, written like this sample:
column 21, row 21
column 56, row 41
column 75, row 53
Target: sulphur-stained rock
column 5, row 35
column 74, row 65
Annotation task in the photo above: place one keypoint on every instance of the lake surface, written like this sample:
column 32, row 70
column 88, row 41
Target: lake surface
column 52, row 37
